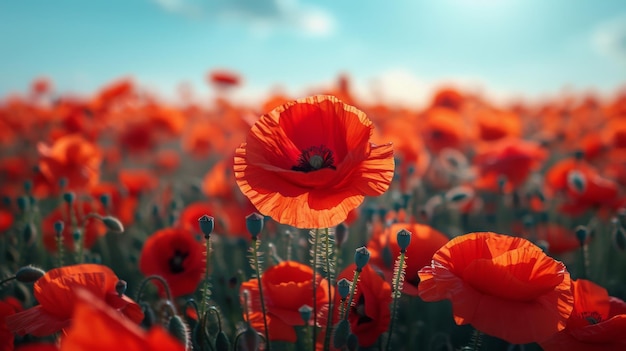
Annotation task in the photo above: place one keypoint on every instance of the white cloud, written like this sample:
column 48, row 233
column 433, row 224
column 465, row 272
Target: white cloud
column 402, row 86
column 262, row 16
column 609, row 39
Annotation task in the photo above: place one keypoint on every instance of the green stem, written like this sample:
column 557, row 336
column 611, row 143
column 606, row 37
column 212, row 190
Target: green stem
column 585, row 260
column 315, row 243
column 355, row 280
column 257, row 266
column 329, row 271
column 397, row 292
column 148, row 279
column 7, row 280
column 206, row 292
column 60, row 250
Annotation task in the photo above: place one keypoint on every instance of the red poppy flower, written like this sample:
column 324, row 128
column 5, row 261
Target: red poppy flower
column 93, row 228
column 37, row 346
column 443, row 128
column 8, row 307
column 175, row 255
column 583, row 186
column 73, row 158
column 511, row 158
column 188, row 218
column 384, row 250
column 597, row 322
column 503, row 286
column 224, row 78
column 559, row 238
column 6, row 220
column 287, row 286
column 219, row 181
column 370, row 314
column 97, row 327
column 309, row 162
column 495, row 125
column 56, row 294
column 137, row 181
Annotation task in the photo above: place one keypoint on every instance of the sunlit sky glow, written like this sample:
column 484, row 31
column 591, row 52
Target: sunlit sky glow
column 400, row 49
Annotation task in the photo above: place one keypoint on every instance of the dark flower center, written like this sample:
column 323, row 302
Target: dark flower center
column 315, row 158
column 176, row 261
column 592, row 317
column 359, row 310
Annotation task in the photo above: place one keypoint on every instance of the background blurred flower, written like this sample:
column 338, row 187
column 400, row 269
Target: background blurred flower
column 597, row 322
column 176, row 255
column 56, row 294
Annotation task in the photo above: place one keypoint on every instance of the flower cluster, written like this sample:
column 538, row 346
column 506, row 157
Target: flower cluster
column 319, row 223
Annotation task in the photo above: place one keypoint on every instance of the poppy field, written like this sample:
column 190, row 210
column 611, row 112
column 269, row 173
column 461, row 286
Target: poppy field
column 317, row 222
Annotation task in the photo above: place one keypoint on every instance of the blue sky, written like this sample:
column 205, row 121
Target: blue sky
column 398, row 49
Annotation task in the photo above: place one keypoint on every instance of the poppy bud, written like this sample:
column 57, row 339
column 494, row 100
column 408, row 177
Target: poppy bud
column 120, row 287
column 459, row 194
column 207, row 224
column 58, row 227
column 69, row 197
column 29, row 233
column 341, row 234
column 528, row 221
column 254, row 224
column 113, row 224
column 178, row 329
column 105, row 200
column 28, row 186
column 29, row 274
column 342, row 331
column 76, row 235
column 353, row 342
column 149, row 318
column 305, row 313
column 221, row 342
column 404, row 239
column 22, row 203
column 343, row 287
column 577, row 181
column 502, row 182
column 582, row 233
column 361, row 257
column 579, row 154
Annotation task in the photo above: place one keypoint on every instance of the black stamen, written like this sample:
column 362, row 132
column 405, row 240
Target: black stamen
column 315, row 158
column 176, row 261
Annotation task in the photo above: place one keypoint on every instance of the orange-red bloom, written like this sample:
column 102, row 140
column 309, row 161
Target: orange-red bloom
column 503, row 286
column 97, row 327
column 176, row 255
column 309, row 162
column 287, row 286
column 56, row 293
column 510, row 158
column 8, row 307
column 597, row 322
column 370, row 315
column 73, row 158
